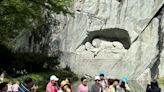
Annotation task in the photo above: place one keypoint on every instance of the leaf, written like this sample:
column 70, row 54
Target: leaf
column 19, row 15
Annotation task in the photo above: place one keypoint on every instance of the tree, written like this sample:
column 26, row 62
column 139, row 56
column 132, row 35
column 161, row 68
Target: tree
column 19, row 15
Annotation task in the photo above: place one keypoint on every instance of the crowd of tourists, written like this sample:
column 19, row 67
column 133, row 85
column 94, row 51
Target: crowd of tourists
column 101, row 84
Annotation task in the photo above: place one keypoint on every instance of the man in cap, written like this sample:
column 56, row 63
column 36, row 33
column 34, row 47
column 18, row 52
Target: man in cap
column 103, row 81
column 125, row 79
column 97, row 87
column 52, row 85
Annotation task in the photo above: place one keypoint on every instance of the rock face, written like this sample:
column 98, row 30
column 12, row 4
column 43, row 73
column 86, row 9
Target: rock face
column 161, row 65
column 119, row 37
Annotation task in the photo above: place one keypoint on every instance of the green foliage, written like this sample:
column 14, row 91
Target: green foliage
column 161, row 81
column 6, row 57
column 33, row 62
column 19, row 15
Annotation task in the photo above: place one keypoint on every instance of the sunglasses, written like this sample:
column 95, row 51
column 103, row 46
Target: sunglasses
column 97, row 80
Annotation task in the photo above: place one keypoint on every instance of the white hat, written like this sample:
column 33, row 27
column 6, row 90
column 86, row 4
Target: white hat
column 53, row 77
column 97, row 78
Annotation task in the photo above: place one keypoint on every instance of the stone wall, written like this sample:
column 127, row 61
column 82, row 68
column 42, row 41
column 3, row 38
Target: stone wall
column 119, row 37
column 126, row 33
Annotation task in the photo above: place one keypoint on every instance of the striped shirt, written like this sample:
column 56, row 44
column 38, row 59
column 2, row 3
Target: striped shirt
column 23, row 88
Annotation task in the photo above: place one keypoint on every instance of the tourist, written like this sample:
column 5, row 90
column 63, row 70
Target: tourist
column 122, row 87
column 125, row 79
column 65, row 86
column 35, row 87
column 52, row 85
column 69, row 82
column 97, row 87
column 110, row 87
column 103, row 81
column 16, row 86
column 10, row 86
column 153, row 87
column 83, row 87
column 116, row 84
column 2, row 76
column 26, row 86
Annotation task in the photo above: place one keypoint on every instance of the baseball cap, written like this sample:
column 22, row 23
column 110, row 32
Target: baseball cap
column 97, row 78
column 124, row 79
column 101, row 73
column 53, row 77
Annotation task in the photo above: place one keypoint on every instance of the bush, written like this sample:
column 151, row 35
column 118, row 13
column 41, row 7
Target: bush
column 33, row 62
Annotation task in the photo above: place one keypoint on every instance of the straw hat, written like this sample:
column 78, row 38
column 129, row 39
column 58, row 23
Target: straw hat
column 63, row 83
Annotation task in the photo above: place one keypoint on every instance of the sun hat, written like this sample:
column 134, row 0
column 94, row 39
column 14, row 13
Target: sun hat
column 63, row 83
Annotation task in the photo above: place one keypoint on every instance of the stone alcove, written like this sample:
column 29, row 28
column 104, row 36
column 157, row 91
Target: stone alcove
column 113, row 40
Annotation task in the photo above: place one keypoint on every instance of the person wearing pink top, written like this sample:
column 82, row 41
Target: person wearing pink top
column 51, row 86
column 16, row 86
column 83, row 87
column 10, row 87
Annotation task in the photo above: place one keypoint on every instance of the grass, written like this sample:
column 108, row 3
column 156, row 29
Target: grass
column 43, row 77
